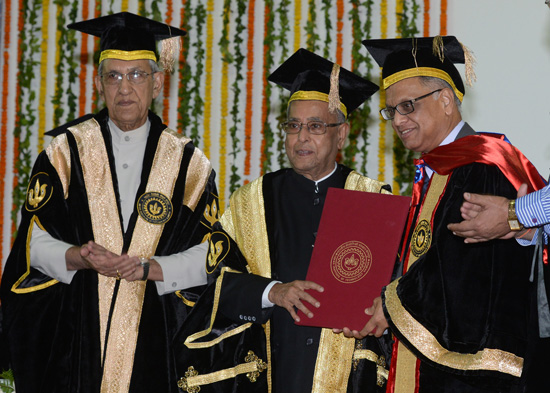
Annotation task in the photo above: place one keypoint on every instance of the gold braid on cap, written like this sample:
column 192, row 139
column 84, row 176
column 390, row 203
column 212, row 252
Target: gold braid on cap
column 169, row 52
column 334, row 92
column 469, row 62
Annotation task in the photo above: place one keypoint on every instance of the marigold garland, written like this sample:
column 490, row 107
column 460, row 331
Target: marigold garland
column 4, row 121
column 43, row 73
column 426, row 18
column 443, row 18
column 167, row 76
column 82, row 96
column 207, row 135
column 339, row 28
column 249, row 85
column 382, row 103
column 297, row 24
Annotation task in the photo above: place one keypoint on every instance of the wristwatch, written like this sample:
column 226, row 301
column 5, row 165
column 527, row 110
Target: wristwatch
column 145, row 264
column 513, row 221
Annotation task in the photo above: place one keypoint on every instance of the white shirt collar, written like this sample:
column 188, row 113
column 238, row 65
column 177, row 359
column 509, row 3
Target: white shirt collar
column 327, row 176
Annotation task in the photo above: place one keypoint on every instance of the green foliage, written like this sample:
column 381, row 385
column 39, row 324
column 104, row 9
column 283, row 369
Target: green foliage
column 26, row 124
column 7, row 384
column 328, row 9
column 197, row 106
column 185, row 75
column 269, row 135
column 358, row 137
column 281, row 41
column 236, row 113
column 311, row 27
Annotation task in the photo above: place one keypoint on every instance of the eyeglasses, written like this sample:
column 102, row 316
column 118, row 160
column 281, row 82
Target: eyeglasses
column 314, row 127
column 134, row 77
column 404, row 108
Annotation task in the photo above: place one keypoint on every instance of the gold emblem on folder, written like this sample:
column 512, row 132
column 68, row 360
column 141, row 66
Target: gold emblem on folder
column 351, row 262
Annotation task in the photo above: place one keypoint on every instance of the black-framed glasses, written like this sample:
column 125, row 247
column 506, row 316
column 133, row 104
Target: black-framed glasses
column 314, row 127
column 115, row 78
column 404, row 108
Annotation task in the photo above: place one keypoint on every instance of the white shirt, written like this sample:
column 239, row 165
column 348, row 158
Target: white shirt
column 180, row 271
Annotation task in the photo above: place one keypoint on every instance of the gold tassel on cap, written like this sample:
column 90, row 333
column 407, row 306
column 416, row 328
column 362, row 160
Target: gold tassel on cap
column 469, row 62
column 438, row 48
column 169, row 52
column 334, row 92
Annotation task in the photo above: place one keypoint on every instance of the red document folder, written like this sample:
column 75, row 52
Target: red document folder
column 354, row 254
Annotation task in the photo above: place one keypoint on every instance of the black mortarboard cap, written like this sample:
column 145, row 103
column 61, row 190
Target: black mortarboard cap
column 402, row 58
column 127, row 36
column 308, row 77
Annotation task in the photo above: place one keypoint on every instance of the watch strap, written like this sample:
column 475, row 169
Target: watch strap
column 145, row 264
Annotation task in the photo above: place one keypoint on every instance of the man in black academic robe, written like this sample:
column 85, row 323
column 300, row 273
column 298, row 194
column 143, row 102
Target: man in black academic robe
column 107, row 327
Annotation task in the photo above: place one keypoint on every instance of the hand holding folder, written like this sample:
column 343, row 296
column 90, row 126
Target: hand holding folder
column 354, row 254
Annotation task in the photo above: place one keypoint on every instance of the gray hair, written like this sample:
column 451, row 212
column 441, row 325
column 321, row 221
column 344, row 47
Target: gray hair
column 340, row 117
column 437, row 83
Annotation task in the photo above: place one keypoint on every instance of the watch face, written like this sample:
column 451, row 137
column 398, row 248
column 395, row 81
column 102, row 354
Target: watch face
column 514, row 225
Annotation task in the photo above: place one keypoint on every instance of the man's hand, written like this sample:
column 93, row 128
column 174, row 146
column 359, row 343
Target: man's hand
column 376, row 325
column 291, row 294
column 485, row 218
column 93, row 256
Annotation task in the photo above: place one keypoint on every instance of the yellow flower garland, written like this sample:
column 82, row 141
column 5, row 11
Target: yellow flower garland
column 297, row 24
column 208, row 77
column 43, row 73
column 224, row 113
column 382, row 123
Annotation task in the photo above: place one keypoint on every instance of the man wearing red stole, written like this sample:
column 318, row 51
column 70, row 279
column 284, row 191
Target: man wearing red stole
column 463, row 315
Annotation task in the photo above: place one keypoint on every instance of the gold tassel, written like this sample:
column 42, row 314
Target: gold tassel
column 334, row 92
column 469, row 62
column 414, row 50
column 438, row 48
column 169, row 52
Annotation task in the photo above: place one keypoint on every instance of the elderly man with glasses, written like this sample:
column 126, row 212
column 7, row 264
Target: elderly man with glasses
column 273, row 221
column 464, row 315
column 118, row 211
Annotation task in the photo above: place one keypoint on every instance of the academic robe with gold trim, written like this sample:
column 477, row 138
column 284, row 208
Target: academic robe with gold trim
column 100, row 334
column 269, row 231
column 464, row 314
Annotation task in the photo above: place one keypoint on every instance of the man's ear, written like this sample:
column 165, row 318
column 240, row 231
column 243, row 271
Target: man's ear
column 98, row 85
column 158, row 82
column 343, row 132
column 447, row 97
